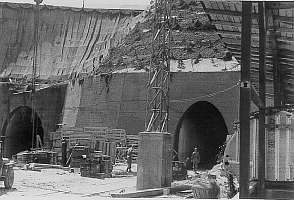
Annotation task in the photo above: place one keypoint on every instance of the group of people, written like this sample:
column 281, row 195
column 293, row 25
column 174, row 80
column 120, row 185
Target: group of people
column 194, row 160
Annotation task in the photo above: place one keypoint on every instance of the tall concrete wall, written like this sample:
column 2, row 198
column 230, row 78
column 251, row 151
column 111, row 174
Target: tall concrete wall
column 70, row 39
column 119, row 100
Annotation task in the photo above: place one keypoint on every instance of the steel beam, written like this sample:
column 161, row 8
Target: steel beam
column 245, row 99
column 262, row 90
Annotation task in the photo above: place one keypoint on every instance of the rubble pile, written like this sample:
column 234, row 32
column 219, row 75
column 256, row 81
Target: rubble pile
column 201, row 177
column 193, row 37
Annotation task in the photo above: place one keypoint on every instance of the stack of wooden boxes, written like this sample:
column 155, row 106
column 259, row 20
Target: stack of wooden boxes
column 96, row 138
column 96, row 166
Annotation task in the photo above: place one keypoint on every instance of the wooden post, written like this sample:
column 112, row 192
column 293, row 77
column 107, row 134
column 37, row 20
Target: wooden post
column 245, row 99
column 262, row 88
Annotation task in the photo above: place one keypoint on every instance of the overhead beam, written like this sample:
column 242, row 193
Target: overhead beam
column 227, row 12
column 254, row 26
column 235, row 33
column 244, row 109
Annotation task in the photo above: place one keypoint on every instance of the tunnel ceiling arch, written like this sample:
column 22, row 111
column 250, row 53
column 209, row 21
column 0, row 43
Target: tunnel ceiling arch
column 18, row 131
column 202, row 126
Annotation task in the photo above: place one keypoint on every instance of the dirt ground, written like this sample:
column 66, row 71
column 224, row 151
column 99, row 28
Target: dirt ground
column 59, row 184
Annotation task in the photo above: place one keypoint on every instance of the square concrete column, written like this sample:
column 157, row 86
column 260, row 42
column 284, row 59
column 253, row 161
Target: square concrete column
column 154, row 160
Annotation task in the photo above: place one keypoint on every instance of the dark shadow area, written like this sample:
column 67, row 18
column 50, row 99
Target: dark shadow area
column 18, row 131
column 203, row 126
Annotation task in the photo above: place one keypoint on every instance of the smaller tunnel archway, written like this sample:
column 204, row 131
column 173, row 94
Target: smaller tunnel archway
column 201, row 126
column 18, row 131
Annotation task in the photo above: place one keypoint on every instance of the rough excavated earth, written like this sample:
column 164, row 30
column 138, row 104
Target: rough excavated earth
column 76, row 43
column 193, row 37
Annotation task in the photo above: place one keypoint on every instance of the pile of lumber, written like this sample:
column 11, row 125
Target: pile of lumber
column 96, row 138
column 37, row 156
column 87, row 136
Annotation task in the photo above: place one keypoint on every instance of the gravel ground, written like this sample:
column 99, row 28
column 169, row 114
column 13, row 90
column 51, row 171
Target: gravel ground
column 57, row 183
column 60, row 184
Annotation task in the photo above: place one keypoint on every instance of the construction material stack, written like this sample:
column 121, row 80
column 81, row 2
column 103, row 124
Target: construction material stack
column 96, row 138
column 77, row 154
column 96, row 165
column 37, row 156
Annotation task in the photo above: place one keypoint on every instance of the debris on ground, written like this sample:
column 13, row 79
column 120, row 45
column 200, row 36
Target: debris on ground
column 201, row 177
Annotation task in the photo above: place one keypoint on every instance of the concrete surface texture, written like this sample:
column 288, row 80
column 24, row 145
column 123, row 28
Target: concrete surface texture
column 154, row 161
column 70, row 39
column 119, row 101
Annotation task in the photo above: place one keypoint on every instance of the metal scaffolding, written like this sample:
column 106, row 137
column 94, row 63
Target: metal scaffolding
column 158, row 85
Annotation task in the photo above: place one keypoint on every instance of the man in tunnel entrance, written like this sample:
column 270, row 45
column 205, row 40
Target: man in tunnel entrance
column 195, row 159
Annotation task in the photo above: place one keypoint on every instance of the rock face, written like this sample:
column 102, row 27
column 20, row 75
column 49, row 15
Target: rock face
column 70, row 39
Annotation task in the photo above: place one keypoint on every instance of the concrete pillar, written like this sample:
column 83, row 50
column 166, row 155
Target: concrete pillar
column 154, row 160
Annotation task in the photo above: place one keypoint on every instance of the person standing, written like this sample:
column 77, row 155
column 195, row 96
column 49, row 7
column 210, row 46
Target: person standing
column 195, row 159
column 130, row 158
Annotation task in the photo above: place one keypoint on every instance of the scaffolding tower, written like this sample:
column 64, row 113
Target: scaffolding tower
column 159, row 70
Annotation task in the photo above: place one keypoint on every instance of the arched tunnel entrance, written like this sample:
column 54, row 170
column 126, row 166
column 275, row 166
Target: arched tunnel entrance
column 18, row 131
column 203, row 126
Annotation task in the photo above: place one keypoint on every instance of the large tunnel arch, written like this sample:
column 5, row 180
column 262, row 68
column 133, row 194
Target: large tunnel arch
column 203, row 126
column 18, row 131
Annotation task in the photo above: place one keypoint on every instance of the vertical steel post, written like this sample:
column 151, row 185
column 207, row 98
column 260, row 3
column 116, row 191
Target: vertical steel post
column 262, row 89
column 245, row 99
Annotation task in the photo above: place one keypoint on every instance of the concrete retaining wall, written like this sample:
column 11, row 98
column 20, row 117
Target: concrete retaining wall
column 119, row 100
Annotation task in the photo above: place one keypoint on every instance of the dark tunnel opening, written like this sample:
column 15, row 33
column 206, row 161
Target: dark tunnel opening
column 18, row 131
column 203, row 126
